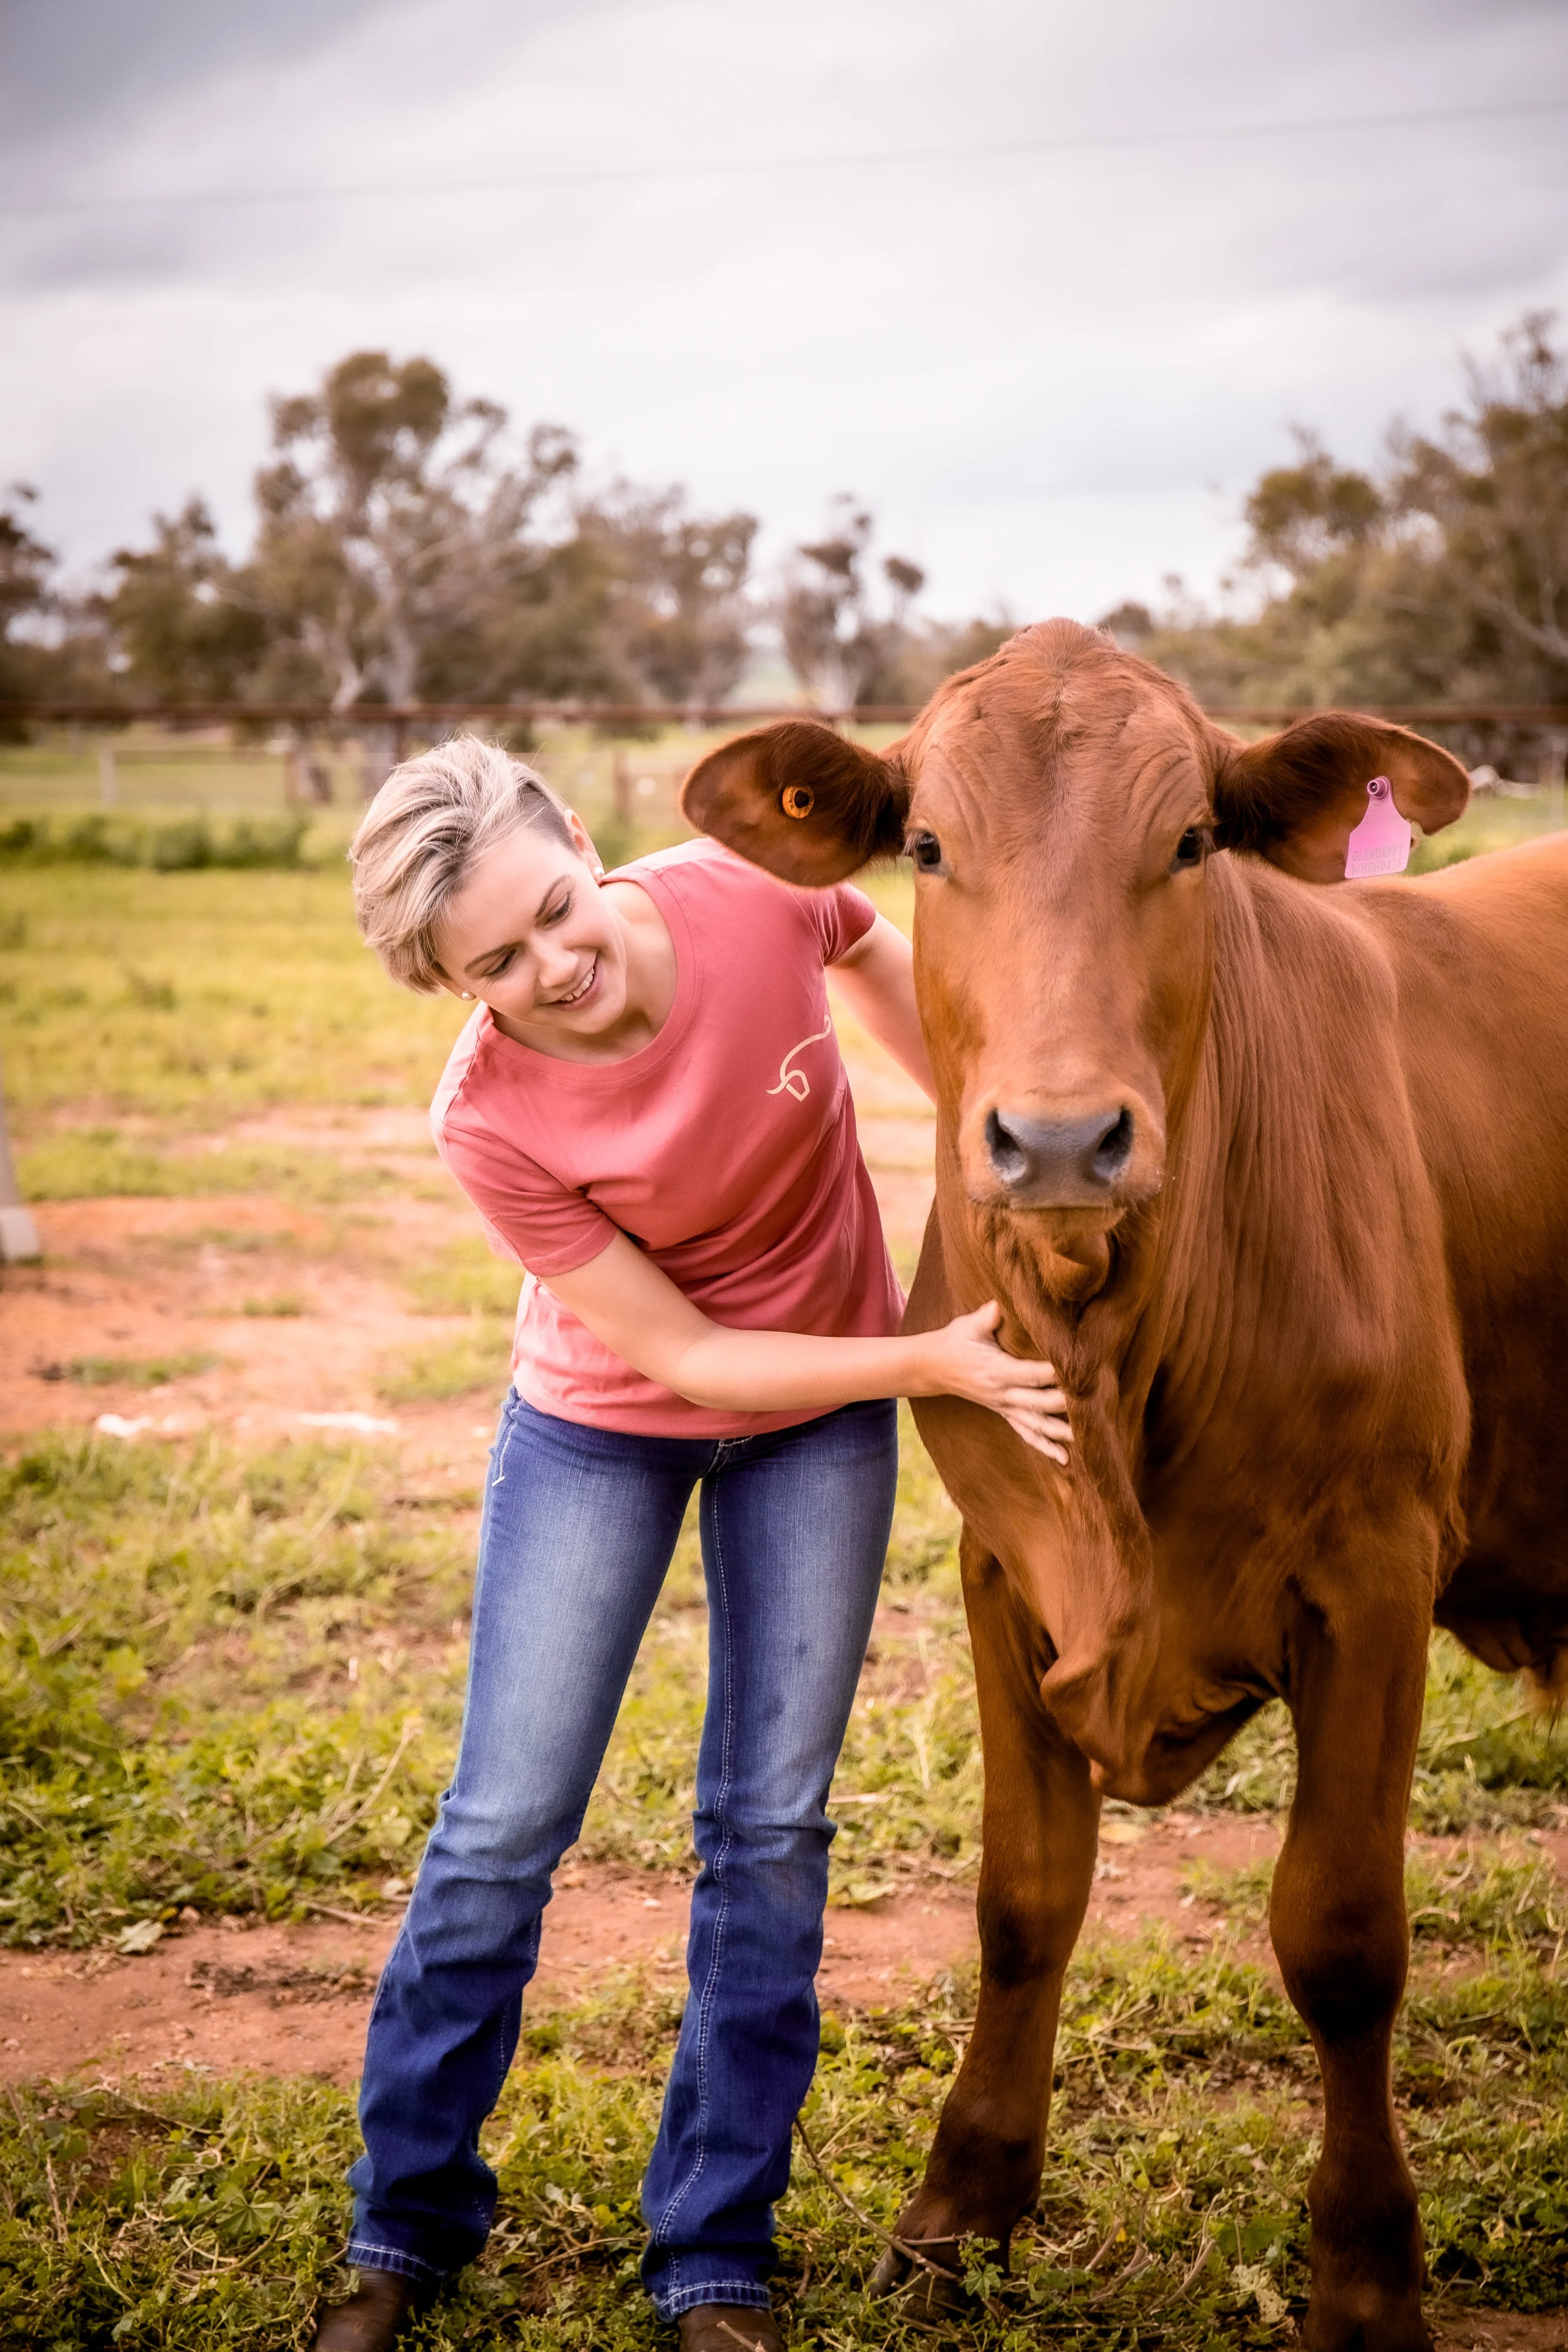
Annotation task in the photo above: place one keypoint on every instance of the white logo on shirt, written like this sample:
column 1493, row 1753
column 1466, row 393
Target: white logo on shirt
column 796, row 1082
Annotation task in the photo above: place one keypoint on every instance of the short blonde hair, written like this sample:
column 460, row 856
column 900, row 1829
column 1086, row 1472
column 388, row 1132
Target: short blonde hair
column 421, row 837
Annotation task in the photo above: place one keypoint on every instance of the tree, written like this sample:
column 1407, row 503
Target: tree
column 186, row 623
column 386, row 515
column 26, row 568
column 1495, row 486
column 678, row 618
column 834, row 642
column 1442, row 577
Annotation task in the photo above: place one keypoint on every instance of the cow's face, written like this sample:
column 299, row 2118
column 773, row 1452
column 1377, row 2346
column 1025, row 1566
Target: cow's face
column 1061, row 805
column 1062, row 945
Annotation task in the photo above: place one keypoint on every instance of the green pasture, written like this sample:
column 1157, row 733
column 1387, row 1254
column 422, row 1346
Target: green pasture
column 233, row 1681
column 211, row 2214
column 230, row 1682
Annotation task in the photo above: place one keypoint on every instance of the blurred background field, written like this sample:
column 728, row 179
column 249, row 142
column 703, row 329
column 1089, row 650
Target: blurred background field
column 233, row 1644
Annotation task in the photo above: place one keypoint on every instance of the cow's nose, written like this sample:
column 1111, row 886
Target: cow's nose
column 1059, row 1158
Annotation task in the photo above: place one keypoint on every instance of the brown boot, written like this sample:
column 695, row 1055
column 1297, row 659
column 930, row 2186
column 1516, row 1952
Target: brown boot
column 729, row 2327
column 375, row 2316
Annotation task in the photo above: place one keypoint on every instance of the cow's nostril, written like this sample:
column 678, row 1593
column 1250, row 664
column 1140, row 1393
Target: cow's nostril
column 1115, row 1149
column 1008, row 1156
column 1066, row 1160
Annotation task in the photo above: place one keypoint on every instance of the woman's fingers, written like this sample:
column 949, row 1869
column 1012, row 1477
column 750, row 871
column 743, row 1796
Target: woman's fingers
column 1032, row 1437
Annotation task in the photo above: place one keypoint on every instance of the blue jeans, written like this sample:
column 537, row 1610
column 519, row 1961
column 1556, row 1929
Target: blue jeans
column 579, row 1527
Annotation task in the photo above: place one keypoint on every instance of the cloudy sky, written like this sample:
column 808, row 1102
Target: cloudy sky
column 1045, row 284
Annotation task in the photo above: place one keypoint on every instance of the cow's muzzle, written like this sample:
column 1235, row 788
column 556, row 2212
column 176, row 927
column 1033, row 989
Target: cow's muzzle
column 1060, row 1164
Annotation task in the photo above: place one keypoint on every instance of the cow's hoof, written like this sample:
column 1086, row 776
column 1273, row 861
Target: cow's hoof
column 923, row 2293
column 1352, row 2324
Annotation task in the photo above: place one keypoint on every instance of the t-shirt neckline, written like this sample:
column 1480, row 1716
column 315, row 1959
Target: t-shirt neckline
column 677, row 1021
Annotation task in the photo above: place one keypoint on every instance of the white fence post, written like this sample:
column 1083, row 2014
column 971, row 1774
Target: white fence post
column 18, row 1233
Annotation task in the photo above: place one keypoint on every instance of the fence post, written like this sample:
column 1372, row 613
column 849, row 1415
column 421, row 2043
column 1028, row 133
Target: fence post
column 1556, row 748
column 108, row 781
column 18, row 1233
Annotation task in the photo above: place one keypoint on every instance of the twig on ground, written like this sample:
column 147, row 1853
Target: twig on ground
column 908, row 2247
column 412, row 1727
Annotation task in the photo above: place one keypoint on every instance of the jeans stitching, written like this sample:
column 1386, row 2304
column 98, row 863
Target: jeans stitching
column 709, row 1990
column 359, row 2250
column 745, row 2292
column 503, row 1441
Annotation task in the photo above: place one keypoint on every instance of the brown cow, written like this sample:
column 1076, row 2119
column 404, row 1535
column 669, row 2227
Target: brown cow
column 1277, row 1176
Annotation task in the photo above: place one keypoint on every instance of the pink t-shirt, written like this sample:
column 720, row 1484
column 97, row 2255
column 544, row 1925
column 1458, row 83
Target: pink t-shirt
column 726, row 1148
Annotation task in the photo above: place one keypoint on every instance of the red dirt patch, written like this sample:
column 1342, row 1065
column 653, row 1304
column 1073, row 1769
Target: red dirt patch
column 1501, row 2331
column 294, row 2000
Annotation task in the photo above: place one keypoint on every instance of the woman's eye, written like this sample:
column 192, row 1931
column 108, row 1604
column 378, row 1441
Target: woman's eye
column 926, row 851
column 1190, row 848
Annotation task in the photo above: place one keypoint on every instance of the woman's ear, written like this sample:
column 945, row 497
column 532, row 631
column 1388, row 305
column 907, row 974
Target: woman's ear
column 799, row 800
column 1296, row 798
column 582, row 841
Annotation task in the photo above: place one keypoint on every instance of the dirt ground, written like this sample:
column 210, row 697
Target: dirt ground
column 295, row 1999
column 167, row 1277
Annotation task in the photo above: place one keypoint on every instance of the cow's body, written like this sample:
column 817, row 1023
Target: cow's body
column 1313, row 1325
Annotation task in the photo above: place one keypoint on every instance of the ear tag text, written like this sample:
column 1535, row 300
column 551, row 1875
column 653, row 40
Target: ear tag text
column 797, row 800
column 1381, row 842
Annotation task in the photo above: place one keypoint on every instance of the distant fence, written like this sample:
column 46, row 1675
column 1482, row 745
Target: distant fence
column 1491, row 734
column 405, row 718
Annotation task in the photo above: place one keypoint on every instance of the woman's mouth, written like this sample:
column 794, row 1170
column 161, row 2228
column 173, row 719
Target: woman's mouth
column 578, row 996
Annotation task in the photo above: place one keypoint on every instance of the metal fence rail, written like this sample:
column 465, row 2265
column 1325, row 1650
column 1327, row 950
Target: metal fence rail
column 415, row 715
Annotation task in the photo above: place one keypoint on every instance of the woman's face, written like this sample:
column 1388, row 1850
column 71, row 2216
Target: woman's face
column 533, row 935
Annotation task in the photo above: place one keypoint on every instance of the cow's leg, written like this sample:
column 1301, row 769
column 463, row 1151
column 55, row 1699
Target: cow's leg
column 1340, row 1932
column 1040, row 1826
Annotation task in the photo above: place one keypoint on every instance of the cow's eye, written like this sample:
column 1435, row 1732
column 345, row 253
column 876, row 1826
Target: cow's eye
column 1190, row 848
column 926, row 851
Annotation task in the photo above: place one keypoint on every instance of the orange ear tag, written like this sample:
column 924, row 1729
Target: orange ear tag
column 797, row 800
column 1381, row 842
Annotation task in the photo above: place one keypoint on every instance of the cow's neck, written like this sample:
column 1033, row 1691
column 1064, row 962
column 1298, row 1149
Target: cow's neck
column 1252, row 1251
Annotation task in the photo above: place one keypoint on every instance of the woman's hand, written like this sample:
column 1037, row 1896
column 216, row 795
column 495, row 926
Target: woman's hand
column 967, row 1362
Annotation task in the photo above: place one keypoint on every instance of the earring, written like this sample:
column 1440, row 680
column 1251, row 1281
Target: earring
column 467, row 995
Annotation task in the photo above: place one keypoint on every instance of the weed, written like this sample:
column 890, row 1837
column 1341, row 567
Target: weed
column 205, row 2214
column 130, row 1371
column 465, row 1278
column 478, row 1356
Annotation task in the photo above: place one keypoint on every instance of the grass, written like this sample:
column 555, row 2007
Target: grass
column 1170, row 2212
column 130, row 1371
column 475, row 1359
column 233, row 1681
column 174, row 846
column 190, row 1000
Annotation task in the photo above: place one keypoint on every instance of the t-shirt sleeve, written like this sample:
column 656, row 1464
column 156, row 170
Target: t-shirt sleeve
column 530, row 1214
column 840, row 916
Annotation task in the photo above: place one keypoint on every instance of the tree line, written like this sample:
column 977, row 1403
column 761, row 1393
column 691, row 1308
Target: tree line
column 409, row 546
column 1438, row 576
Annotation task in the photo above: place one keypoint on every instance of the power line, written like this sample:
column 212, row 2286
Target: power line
column 761, row 167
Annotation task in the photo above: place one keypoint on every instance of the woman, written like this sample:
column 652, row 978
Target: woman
column 649, row 1111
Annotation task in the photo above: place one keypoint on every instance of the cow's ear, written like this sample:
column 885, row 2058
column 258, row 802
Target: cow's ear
column 1296, row 798
column 799, row 800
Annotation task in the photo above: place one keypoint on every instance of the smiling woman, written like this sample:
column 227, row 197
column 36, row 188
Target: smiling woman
column 648, row 1110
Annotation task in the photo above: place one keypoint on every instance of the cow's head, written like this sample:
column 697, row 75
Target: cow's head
column 1060, row 805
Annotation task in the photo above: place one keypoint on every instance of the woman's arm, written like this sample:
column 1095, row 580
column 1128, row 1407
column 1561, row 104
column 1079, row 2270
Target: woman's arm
column 877, row 982
column 634, row 1310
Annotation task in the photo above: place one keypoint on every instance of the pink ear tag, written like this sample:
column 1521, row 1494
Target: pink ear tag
column 1381, row 842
